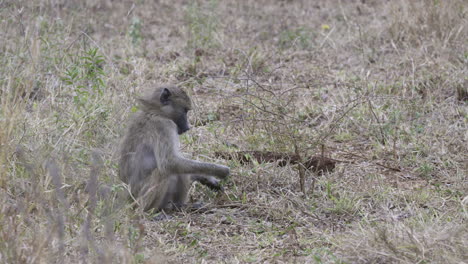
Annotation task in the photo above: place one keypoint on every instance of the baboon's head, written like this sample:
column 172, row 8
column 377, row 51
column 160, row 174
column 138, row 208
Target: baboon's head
column 171, row 102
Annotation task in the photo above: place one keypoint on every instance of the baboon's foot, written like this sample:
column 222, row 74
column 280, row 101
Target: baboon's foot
column 161, row 216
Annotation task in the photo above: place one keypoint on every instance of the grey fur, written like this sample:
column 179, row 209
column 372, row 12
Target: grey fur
column 150, row 161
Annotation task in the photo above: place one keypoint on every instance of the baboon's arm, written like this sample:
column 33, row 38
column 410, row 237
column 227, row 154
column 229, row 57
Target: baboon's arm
column 176, row 164
column 187, row 166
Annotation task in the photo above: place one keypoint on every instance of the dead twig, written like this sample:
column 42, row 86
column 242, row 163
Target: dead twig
column 318, row 164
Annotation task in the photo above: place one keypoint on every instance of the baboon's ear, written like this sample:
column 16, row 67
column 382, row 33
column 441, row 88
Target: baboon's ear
column 165, row 96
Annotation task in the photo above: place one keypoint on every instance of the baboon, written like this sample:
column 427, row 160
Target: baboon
column 150, row 162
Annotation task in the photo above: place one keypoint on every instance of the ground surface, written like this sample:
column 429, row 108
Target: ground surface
column 379, row 86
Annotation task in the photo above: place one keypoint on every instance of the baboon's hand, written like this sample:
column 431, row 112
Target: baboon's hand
column 224, row 171
column 211, row 182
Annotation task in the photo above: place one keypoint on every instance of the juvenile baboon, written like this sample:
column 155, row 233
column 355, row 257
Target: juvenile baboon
column 150, row 162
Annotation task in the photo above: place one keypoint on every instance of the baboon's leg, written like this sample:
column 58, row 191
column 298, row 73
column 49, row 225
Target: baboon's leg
column 148, row 187
column 153, row 194
column 174, row 195
column 180, row 190
column 180, row 194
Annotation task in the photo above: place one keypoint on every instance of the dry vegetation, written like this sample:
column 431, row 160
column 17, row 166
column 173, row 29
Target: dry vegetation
column 378, row 86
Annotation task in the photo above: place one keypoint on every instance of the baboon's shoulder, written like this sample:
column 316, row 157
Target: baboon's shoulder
column 146, row 124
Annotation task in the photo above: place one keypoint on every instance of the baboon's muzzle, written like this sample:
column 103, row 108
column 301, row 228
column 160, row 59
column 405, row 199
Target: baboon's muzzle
column 182, row 130
column 182, row 126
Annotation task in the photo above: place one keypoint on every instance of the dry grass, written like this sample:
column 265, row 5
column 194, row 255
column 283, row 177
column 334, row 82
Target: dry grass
column 380, row 86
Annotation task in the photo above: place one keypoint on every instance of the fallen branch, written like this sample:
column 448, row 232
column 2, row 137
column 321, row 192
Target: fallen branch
column 318, row 164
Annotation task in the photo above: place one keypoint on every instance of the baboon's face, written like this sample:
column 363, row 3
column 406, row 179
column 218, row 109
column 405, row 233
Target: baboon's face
column 170, row 102
column 176, row 105
column 181, row 120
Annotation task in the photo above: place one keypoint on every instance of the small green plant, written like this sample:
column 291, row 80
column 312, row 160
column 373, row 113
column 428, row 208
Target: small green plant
column 257, row 61
column 135, row 31
column 344, row 205
column 425, row 170
column 86, row 76
column 300, row 37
